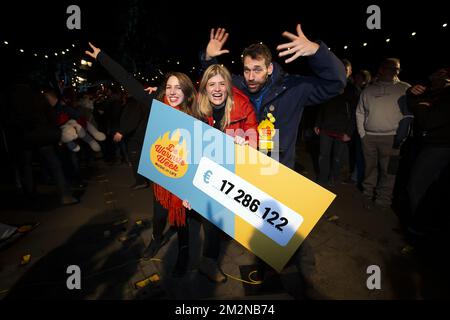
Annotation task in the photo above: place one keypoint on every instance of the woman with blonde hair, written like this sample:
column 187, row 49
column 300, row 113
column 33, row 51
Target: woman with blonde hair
column 229, row 110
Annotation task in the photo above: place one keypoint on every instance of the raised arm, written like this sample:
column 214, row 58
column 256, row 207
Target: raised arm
column 134, row 87
column 330, row 77
column 214, row 49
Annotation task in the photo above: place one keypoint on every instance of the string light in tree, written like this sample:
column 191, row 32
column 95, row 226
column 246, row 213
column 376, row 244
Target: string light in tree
column 345, row 47
column 365, row 44
column 414, row 34
column 444, row 25
column 388, row 40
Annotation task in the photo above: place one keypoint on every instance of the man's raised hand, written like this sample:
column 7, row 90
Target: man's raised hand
column 216, row 41
column 299, row 45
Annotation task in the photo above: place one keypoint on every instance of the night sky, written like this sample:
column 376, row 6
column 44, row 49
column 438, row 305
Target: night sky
column 176, row 32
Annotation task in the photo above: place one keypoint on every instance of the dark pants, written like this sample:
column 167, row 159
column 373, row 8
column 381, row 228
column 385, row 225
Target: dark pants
column 50, row 160
column 211, row 243
column 356, row 159
column 429, row 165
column 331, row 150
column 159, row 224
column 70, row 165
column 134, row 147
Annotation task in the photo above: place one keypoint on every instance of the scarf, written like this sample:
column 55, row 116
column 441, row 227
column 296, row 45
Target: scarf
column 174, row 205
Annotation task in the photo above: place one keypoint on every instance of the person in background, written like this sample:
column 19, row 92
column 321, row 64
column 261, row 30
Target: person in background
column 381, row 108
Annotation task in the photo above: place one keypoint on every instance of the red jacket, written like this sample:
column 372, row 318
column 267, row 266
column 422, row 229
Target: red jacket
column 242, row 117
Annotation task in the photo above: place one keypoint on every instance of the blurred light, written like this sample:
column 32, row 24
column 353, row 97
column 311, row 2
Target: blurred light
column 46, row 56
column 67, row 50
column 232, row 62
column 5, row 42
column 56, row 54
column 193, row 68
column 63, row 52
column 35, row 54
column 242, row 55
column 73, row 45
column 365, row 44
column 413, row 34
column 83, row 62
column 178, row 62
column 388, row 40
column 346, row 47
column 444, row 25
column 21, row 50
column 89, row 64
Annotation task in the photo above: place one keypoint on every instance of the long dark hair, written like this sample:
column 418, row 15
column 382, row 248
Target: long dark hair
column 189, row 104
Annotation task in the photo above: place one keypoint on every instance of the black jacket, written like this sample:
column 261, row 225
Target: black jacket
column 31, row 122
column 338, row 115
column 432, row 116
column 133, row 121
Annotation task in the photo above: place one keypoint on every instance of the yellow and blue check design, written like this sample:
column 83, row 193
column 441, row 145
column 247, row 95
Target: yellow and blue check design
column 269, row 214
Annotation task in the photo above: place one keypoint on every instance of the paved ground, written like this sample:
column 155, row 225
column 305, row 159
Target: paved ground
column 91, row 234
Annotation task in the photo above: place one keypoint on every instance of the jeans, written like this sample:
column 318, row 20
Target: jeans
column 331, row 151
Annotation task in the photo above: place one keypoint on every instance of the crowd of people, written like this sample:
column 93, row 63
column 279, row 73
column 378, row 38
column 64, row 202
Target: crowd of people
column 366, row 125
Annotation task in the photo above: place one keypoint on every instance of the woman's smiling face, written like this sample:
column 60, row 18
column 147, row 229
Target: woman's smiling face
column 174, row 93
column 216, row 90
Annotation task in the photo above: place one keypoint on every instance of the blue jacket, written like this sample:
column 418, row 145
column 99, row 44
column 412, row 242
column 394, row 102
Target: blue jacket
column 285, row 96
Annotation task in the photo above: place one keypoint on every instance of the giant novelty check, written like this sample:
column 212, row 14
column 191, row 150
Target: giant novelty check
column 262, row 204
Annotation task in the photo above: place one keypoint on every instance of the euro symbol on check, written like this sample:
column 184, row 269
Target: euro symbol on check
column 207, row 176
